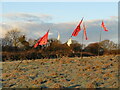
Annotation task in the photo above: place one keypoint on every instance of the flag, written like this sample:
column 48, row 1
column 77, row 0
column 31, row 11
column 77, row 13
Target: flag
column 103, row 26
column 85, row 34
column 69, row 42
column 58, row 38
column 42, row 40
column 77, row 29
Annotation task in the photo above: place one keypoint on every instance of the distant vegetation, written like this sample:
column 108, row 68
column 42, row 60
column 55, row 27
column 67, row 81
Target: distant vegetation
column 16, row 46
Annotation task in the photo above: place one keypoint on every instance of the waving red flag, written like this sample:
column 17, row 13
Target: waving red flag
column 103, row 26
column 42, row 40
column 36, row 45
column 85, row 34
column 77, row 30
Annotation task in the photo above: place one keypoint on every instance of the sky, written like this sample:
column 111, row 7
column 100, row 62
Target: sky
column 35, row 18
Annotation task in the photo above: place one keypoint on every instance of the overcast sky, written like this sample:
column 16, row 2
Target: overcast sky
column 35, row 18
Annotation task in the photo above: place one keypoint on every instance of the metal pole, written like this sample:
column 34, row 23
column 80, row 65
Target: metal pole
column 82, row 45
column 99, row 42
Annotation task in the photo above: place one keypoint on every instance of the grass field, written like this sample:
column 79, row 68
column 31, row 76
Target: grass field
column 89, row 72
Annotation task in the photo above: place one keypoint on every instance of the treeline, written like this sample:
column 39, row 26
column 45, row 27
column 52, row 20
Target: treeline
column 16, row 46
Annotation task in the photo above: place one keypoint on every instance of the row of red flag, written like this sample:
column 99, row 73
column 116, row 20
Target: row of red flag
column 43, row 40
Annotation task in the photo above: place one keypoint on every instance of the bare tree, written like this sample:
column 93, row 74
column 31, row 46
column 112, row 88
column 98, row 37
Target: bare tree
column 108, row 45
column 12, row 37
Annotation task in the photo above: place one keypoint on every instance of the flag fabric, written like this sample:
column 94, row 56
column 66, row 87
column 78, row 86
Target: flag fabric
column 42, row 40
column 103, row 26
column 58, row 38
column 85, row 34
column 69, row 42
column 77, row 29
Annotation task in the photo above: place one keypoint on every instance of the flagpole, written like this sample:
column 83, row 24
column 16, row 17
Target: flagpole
column 82, row 45
column 99, row 42
column 19, row 64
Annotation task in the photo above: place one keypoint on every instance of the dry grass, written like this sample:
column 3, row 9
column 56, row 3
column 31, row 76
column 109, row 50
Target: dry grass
column 95, row 72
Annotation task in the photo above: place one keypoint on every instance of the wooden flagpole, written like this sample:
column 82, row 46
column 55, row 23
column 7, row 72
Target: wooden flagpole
column 99, row 42
column 22, row 60
column 18, row 64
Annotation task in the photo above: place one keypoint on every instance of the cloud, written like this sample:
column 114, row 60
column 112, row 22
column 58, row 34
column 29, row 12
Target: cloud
column 114, row 17
column 35, row 29
column 30, row 17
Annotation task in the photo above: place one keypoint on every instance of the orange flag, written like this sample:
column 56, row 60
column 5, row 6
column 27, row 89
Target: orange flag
column 77, row 29
column 42, row 40
column 85, row 34
column 103, row 26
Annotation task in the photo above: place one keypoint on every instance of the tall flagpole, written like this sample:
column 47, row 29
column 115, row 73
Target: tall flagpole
column 77, row 30
column 82, row 45
column 99, row 42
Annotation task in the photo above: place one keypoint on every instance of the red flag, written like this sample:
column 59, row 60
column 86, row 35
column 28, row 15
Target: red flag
column 77, row 30
column 36, row 45
column 85, row 34
column 103, row 26
column 42, row 40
